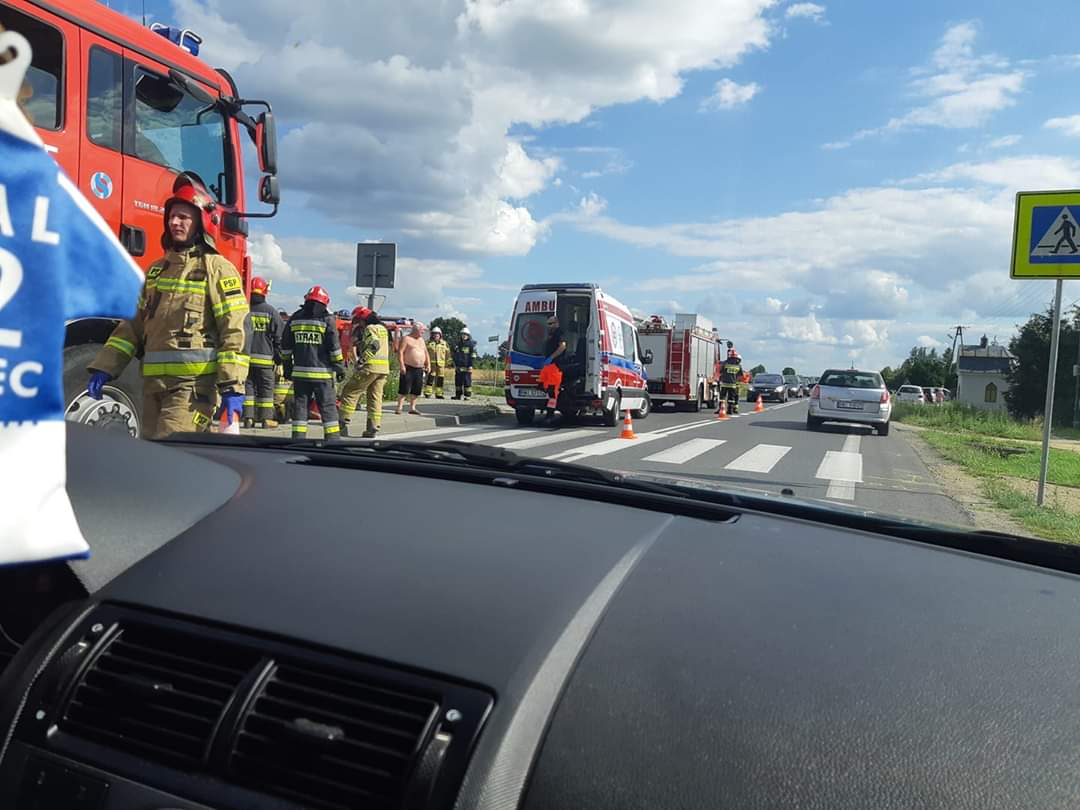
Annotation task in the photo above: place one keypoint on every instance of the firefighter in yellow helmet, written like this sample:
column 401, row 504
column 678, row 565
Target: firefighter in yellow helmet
column 439, row 352
column 189, row 327
column 371, row 355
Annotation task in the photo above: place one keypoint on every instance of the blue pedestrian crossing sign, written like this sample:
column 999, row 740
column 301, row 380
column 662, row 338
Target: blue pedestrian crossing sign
column 1046, row 235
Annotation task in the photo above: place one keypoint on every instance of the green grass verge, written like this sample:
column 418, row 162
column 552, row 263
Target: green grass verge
column 982, row 456
column 1048, row 522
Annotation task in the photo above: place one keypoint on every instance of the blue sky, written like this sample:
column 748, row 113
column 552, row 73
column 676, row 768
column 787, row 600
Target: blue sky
column 828, row 182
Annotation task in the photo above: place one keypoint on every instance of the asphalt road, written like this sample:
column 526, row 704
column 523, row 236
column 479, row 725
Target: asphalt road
column 761, row 452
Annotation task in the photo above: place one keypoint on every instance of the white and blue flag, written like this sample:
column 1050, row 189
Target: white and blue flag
column 58, row 261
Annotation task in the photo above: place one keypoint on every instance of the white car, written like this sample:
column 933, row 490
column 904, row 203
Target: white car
column 910, row 393
column 849, row 395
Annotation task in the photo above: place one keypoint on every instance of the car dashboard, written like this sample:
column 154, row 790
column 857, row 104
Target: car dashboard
column 277, row 628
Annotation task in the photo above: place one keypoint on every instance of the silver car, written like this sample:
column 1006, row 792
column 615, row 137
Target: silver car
column 849, row 395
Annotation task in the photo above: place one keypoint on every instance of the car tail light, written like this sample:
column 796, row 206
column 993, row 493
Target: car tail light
column 884, row 397
column 815, row 392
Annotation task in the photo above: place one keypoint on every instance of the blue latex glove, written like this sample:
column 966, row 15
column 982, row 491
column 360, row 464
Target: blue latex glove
column 97, row 380
column 232, row 403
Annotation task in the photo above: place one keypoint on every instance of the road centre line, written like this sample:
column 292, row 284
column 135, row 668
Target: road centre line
column 760, row 459
column 842, row 469
column 681, row 453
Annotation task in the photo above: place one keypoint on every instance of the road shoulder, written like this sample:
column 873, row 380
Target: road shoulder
column 964, row 489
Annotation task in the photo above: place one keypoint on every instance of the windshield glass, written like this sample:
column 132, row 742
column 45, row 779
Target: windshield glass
column 851, row 379
column 624, row 166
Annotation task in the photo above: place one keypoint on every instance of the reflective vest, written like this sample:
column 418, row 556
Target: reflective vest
column 374, row 352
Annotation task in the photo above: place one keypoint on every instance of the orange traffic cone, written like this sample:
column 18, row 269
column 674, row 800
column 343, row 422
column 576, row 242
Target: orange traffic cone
column 722, row 413
column 760, row 406
column 627, row 427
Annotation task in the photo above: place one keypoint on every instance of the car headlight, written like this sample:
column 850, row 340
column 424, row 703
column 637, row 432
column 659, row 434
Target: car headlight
column 779, row 388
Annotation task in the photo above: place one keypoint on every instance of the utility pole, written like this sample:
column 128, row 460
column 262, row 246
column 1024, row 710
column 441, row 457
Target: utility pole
column 958, row 335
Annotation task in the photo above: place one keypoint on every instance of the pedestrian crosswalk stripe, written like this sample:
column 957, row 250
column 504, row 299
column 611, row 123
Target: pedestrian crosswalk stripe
column 760, row 459
column 681, row 453
column 842, row 469
column 420, row 434
column 614, row 445
column 494, row 436
column 550, row 438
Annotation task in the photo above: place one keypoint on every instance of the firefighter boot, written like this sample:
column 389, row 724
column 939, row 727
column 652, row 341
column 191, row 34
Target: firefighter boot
column 269, row 424
column 249, row 423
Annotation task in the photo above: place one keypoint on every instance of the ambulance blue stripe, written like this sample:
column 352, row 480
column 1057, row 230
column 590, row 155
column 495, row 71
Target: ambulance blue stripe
column 530, row 360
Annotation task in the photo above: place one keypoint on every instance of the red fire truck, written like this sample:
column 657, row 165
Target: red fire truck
column 123, row 109
column 684, row 359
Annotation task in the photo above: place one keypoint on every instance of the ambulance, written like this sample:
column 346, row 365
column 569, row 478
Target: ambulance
column 605, row 372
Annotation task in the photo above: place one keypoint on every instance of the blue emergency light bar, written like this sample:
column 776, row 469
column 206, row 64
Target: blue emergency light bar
column 182, row 37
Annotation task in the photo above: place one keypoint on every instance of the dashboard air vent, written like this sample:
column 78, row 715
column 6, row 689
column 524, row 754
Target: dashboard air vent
column 157, row 694
column 331, row 741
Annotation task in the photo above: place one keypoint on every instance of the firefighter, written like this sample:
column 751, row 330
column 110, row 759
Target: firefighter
column 311, row 351
column 265, row 329
column 464, row 354
column 371, row 355
column 189, row 327
column 730, row 377
column 282, row 387
column 439, row 353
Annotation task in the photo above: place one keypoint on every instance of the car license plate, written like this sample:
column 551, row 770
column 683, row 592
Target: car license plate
column 850, row 406
column 530, row 393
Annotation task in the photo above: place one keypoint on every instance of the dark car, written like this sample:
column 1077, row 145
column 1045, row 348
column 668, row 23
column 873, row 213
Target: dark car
column 768, row 386
column 794, row 385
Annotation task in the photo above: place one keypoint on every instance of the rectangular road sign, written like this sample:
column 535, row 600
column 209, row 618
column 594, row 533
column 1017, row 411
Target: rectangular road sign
column 376, row 262
column 1046, row 235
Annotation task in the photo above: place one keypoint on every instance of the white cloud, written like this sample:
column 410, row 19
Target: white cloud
column 268, row 260
column 959, row 89
column 728, row 94
column 397, row 117
column 810, row 11
column 928, row 342
column 592, row 204
column 1004, row 141
column 1069, row 125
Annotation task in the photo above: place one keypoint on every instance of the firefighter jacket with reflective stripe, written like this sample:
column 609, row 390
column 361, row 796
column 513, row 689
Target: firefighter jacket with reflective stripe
column 312, row 345
column 373, row 353
column 190, row 322
column 730, row 373
column 265, row 329
column 464, row 354
column 439, row 352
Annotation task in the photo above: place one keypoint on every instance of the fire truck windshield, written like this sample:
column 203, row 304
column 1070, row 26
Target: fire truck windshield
column 174, row 129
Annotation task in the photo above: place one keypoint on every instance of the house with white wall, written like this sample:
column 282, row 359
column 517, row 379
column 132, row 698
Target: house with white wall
column 980, row 373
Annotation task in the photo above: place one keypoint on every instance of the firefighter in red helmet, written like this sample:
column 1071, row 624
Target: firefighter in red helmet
column 264, row 333
column 188, row 330
column 312, row 353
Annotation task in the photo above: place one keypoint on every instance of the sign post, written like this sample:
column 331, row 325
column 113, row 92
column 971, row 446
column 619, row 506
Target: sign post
column 1046, row 244
column 376, row 263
